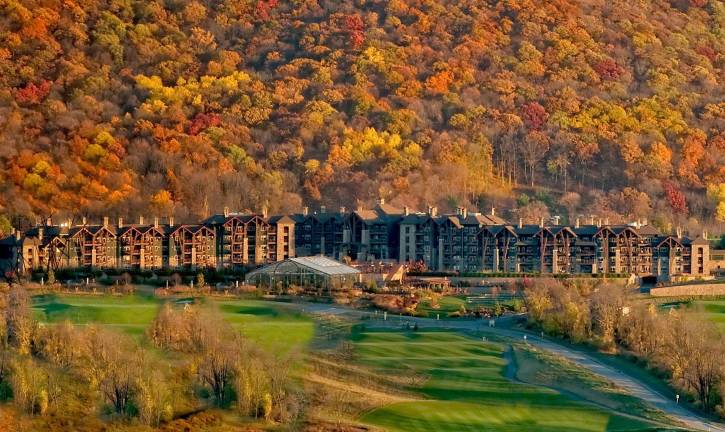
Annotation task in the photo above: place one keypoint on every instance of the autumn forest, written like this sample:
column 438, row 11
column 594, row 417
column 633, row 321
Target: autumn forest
column 610, row 108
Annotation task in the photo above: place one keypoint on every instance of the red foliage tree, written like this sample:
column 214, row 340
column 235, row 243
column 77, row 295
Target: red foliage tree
column 264, row 7
column 707, row 51
column 33, row 94
column 355, row 27
column 203, row 121
column 675, row 198
column 535, row 115
column 608, row 70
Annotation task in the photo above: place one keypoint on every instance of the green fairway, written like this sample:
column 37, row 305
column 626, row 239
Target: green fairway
column 468, row 391
column 269, row 324
column 131, row 314
column 446, row 306
column 713, row 310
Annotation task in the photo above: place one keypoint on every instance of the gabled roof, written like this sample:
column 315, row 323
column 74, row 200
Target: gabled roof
column 527, row 230
column 663, row 240
column 558, row 229
column 701, row 241
column 416, row 219
column 367, row 215
column 619, row 229
column 191, row 228
column 586, row 230
column 495, row 230
column 648, row 230
column 283, row 219
column 389, row 210
column 216, row 219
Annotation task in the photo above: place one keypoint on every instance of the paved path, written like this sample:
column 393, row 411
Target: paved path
column 623, row 380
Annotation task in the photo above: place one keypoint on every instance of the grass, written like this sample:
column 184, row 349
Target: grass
column 712, row 310
column 467, row 389
column 272, row 326
column 447, row 305
column 539, row 367
column 131, row 314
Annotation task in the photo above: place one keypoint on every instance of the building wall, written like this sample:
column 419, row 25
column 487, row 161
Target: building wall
column 441, row 244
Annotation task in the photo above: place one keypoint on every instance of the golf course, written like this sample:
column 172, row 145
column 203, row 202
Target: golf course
column 269, row 324
column 467, row 389
column 467, row 382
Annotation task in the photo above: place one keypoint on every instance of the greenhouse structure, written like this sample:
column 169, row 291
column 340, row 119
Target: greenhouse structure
column 316, row 273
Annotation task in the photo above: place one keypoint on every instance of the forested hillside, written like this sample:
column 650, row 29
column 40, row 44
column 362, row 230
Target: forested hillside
column 606, row 107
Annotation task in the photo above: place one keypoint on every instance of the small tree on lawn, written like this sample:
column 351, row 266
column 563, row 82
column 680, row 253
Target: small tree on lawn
column 51, row 276
column 200, row 282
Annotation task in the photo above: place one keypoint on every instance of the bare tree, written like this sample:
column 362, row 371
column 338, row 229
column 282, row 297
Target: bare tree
column 19, row 322
column 607, row 305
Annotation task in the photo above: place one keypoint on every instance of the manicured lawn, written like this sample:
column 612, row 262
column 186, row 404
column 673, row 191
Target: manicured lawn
column 714, row 310
column 269, row 324
column 468, row 391
column 447, row 305
column 272, row 325
column 132, row 314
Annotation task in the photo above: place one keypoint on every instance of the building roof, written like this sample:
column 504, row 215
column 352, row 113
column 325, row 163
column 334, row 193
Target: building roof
column 701, row 241
column 317, row 264
column 586, row 230
column 325, row 265
column 648, row 230
column 283, row 219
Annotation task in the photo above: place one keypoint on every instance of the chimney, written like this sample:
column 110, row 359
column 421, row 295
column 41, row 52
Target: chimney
column 556, row 220
column 105, row 221
column 156, row 222
column 521, row 223
column 84, row 221
column 599, row 223
column 606, row 221
column 226, row 212
column 305, row 211
column 323, row 209
column 49, row 222
column 342, row 210
column 577, row 223
column 644, row 222
column 171, row 221
column 140, row 220
column 69, row 222
column 704, row 235
column 406, row 210
column 458, row 211
column 493, row 211
column 265, row 212
column 17, row 235
column 591, row 220
column 679, row 232
column 434, row 211
column 359, row 208
column 381, row 201
column 41, row 231
column 541, row 222
column 464, row 212
column 120, row 222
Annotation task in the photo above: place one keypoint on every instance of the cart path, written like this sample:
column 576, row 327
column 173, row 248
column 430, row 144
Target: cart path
column 622, row 379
